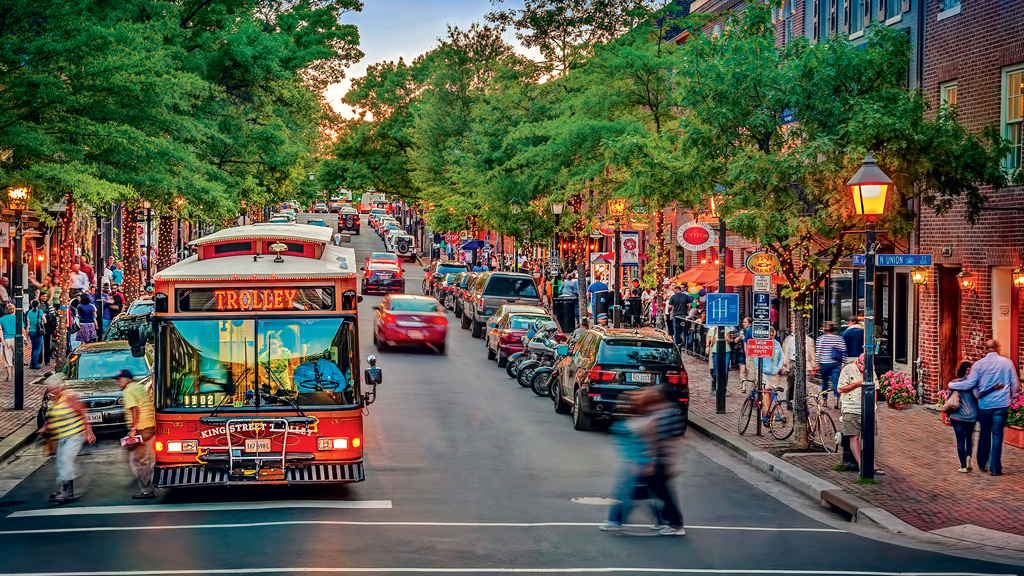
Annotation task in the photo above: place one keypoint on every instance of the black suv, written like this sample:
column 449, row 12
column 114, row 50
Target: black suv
column 437, row 270
column 604, row 363
column 490, row 291
column 348, row 220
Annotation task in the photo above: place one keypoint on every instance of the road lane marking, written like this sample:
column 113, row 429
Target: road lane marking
column 388, row 523
column 434, row 570
column 212, row 507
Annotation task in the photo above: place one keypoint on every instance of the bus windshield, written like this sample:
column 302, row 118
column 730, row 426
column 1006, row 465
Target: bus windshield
column 260, row 364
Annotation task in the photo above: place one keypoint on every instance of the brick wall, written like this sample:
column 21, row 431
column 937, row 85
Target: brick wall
column 972, row 48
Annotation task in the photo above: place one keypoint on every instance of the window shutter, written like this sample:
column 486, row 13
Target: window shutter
column 905, row 7
column 867, row 13
column 881, row 10
column 817, row 20
column 833, row 15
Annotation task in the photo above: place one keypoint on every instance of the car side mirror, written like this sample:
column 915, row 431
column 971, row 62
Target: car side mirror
column 426, row 269
column 362, row 269
column 376, row 307
column 562, row 350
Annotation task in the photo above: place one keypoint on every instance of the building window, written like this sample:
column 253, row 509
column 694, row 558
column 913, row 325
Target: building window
column 856, row 15
column 787, row 19
column 1013, row 113
column 948, row 4
column 947, row 93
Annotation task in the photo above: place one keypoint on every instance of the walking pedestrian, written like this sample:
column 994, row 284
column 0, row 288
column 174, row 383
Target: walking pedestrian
column 830, row 352
column 8, row 325
column 138, row 405
column 677, row 308
column 67, row 424
column 86, row 319
column 635, row 437
column 850, row 381
column 854, row 338
column 789, row 357
column 668, row 426
column 711, row 349
column 964, row 417
column 996, row 379
column 36, row 321
column 79, row 280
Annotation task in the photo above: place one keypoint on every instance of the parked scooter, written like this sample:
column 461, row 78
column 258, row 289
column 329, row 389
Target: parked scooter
column 542, row 353
column 545, row 375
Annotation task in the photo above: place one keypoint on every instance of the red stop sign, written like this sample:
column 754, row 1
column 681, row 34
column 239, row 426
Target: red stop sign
column 696, row 235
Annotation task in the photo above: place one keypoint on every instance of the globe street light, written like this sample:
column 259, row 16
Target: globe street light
column 17, row 200
column 869, row 187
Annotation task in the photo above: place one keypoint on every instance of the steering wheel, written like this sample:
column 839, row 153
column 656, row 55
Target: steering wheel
column 318, row 387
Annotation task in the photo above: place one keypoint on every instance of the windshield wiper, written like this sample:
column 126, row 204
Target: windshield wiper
column 288, row 399
column 232, row 394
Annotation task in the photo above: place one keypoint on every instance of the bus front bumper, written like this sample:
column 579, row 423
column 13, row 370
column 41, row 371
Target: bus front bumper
column 194, row 475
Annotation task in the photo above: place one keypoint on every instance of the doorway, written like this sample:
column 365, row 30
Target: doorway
column 949, row 323
column 1005, row 312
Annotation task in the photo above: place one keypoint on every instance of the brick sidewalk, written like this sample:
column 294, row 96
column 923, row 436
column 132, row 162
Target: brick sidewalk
column 917, row 452
column 10, row 419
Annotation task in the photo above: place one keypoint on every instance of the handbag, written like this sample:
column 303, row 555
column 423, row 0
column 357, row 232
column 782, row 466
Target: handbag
column 952, row 403
column 75, row 326
column 838, row 354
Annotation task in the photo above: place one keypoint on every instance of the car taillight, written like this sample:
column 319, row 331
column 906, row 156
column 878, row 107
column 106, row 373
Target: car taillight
column 439, row 320
column 507, row 336
column 597, row 375
column 677, row 379
column 389, row 318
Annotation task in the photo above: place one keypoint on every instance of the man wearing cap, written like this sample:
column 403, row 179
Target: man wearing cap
column 138, row 405
column 68, row 426
column 602, row 320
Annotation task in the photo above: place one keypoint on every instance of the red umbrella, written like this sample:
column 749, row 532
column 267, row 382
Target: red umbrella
column 701, row 274
column 743, row 277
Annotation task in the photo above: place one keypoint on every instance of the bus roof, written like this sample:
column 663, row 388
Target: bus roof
column 334, row 262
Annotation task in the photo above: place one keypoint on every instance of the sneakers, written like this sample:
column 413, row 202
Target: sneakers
column 659, row 527
column 606, row 527
column 143, row 496
column 970, row 466
column 670, row 531
column 963, row 470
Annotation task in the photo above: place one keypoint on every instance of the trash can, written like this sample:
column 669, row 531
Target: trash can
column 631, row 314
column 564, row 308
column 602, row 303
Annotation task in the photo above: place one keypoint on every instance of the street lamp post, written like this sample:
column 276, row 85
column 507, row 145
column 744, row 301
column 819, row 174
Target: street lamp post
column 721, row 366
column 616, row 209
column 869, row 187
column 556, row 210
column 17, row 200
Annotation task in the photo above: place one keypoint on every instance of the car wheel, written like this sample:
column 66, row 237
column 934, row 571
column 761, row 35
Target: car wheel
column 502, row 361
column 561, row 406
column 457, row 309
column 490, row 354
column 440, row 349
column 580, row 421
column 476, row 328
column 465, row 320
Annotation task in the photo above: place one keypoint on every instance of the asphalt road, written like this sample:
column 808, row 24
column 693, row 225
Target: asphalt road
column 466, row 472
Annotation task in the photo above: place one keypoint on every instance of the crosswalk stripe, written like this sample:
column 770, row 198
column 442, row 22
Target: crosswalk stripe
column 211, row 507
column 434, row 570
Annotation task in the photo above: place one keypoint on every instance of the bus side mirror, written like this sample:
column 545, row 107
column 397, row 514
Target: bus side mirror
column 372, row 376
column 137, row 336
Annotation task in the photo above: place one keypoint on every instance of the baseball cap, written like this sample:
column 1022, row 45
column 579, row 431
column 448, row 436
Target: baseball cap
column 125, row 374
column 602, row 316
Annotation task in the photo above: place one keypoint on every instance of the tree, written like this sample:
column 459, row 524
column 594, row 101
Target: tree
column 785, row 182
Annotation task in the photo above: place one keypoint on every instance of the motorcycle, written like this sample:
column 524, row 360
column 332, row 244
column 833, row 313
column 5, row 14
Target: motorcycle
column 542, row 355
column 515, row 360
column 544, row 377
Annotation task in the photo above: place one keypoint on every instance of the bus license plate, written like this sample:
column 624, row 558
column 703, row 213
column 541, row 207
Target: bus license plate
column 646, row 378
column 94, row 417
column 257, row 445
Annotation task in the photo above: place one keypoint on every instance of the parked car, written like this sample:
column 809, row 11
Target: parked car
column 406, row 319
column 492, row 289
column 505, row 337
column 382, row 277
column 90, row 374
column 141, row 305
column 321, row 208
column 462, row 282
column 604, row 363
column 119, row 326
column 386, row 226
column 437, row 270
column 316, row 222
column 443, row 289
column 348, row 220
column 403, row 245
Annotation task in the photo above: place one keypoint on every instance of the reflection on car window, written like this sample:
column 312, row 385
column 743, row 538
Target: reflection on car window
column 100, row 365
column 524, row 322
column 638, row 351
column 413, row 305
column 447, row 268
column 511, row 286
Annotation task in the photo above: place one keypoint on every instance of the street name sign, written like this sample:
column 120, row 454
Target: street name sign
column 904, row 260
column 723, row 309
column 760, row 348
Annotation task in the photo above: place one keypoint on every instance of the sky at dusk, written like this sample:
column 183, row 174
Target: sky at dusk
column 389, row 29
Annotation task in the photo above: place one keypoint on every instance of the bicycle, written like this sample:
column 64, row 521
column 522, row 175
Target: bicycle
column 821, row 429
column 778, row 417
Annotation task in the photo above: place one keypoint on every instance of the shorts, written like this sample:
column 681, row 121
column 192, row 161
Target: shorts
column 851, row 424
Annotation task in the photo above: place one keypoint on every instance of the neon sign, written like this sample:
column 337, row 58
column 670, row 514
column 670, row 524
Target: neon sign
column 268, row 299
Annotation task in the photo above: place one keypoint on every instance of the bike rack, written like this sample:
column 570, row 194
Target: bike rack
column 257, row 457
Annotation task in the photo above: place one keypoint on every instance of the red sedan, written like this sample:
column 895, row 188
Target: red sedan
column 409, row 320
column 505, row 339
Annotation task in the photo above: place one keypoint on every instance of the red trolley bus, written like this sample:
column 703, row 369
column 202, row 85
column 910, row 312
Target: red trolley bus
column 257, row 371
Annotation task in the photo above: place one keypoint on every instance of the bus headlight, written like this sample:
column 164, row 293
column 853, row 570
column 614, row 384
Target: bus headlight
column 183, row 446
column 332, row 443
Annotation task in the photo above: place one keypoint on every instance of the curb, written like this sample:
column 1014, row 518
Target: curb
column 20, row 437
column 821, row 491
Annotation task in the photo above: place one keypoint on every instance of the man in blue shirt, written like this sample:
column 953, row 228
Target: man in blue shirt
column 593, row 289
column 854, row 338
column 996, row 375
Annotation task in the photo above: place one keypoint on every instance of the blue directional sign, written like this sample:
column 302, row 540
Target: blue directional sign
column 762, row 308
column 761, row 330
column 904, row 260
column 859, row 260
column 723, row 309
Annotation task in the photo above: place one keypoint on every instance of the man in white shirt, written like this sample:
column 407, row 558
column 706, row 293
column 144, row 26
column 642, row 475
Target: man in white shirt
column 4, row 295
column 79, row 280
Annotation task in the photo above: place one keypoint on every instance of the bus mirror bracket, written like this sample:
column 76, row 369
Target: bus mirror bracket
column 372, row 377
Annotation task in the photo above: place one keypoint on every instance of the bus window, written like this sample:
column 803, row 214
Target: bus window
column 210, row 363
column 308, row 362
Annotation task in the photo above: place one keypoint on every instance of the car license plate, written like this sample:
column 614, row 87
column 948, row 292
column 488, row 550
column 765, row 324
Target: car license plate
column 385, row 276
column 415, row 334
column 645, row 378
column 257, row 445
column 94, row 417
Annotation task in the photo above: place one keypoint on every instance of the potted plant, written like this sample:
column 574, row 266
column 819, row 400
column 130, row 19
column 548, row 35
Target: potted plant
column 1014, row 434
column 891, row 378
column 901, row 394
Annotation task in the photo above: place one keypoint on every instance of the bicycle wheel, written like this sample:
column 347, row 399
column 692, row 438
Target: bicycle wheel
column 780, row 420
column 745, row 412
column 827, row 435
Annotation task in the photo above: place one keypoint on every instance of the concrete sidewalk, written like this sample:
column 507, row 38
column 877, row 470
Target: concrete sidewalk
column 18, row 426
column 921, row 491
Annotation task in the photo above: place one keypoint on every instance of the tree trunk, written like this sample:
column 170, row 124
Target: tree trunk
column 65, row 257
column 131, row 286
column 165, row 242
column 800, row 365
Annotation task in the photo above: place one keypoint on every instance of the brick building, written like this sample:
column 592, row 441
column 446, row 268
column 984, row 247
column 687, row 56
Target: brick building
column 984, row 78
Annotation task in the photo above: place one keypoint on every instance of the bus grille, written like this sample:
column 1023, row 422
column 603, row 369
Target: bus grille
column 181, row 476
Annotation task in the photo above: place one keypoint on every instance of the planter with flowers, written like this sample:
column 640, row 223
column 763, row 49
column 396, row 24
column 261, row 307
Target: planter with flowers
column 1014, row 434
column 898, row 389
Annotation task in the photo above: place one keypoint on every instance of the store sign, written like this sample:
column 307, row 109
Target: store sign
column 630, row 253
column 762, row 263
column 5, row 235
column 607, row 228
column 695, row 236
